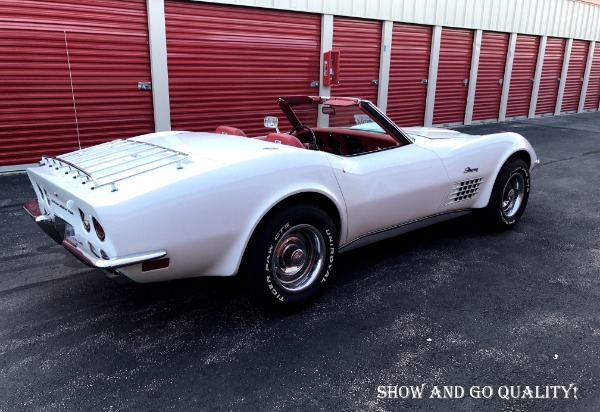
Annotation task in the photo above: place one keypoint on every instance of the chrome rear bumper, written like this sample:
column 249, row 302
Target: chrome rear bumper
column 86, row 253
column 45, row 221
column 81, row 249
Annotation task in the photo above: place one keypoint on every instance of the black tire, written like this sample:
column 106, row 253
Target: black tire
column 509, row 195
column 291, row 256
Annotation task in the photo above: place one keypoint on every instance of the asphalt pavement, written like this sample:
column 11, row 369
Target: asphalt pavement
column 451, row 317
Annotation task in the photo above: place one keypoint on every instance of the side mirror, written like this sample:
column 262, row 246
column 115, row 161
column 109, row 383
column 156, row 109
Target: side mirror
column 271, row 122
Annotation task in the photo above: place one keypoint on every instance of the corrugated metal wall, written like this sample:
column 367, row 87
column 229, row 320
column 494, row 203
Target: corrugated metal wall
column 228, row 65
column 577, row 61
column 592, row 97
column 359, row 43
column 225, row 59
column 453, row 74
column 490, row 75
column 411, row 49
column 558, row 18
column 36, row 108
column 551, row 72
column 522, row 75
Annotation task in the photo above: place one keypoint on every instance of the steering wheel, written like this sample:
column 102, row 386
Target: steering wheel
column 313, row 144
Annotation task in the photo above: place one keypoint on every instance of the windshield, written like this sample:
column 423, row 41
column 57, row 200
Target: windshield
column 346, row 116
column 339, row 116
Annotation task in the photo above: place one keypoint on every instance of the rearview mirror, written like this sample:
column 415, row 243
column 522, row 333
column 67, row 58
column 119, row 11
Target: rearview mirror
column 328, row 110
column 271, row 122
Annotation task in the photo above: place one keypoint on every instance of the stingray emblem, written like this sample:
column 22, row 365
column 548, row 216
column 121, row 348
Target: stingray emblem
column 469, row 170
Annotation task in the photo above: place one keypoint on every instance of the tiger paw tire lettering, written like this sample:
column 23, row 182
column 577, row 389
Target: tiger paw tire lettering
column 291, row 256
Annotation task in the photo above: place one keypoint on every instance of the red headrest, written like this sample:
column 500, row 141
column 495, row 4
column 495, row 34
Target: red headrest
column 283, row 138
column 230, row 130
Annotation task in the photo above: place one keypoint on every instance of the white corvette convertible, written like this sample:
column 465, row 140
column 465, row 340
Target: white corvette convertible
column 277, row 208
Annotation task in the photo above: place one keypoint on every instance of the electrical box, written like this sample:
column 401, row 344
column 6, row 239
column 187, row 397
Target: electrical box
column 331, row 68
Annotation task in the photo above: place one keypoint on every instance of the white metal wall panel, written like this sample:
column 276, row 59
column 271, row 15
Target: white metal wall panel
column 557, row 18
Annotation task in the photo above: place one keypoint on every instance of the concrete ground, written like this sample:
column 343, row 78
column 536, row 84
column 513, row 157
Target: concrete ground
column 480, row 313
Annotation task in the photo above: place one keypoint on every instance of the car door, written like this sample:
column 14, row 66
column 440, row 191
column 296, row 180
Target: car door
column 389, row 188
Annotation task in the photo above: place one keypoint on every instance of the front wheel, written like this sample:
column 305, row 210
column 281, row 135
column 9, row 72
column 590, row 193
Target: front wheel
column 509, row 195
column 291, row 256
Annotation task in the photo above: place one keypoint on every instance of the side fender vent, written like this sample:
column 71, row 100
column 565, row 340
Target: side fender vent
column 464, row 190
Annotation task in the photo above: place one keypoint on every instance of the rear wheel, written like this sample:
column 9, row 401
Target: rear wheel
column 291, row 256
column 509, row 196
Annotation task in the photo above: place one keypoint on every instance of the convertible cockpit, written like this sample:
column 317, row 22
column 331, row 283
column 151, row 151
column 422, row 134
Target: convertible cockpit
column 338, row 125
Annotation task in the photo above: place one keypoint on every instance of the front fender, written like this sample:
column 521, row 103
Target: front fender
column 513, row 143
column 477, row 157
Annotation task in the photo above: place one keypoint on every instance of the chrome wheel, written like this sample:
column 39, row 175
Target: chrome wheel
column 291, row 256
column 509, row 196
column 513, row 194
column 298, row 258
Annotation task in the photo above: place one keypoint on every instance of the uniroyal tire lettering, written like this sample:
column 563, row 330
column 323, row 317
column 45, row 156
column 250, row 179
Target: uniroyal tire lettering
column 331, row 255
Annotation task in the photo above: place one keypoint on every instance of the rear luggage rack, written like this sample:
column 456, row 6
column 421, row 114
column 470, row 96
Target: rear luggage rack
column 111, row 162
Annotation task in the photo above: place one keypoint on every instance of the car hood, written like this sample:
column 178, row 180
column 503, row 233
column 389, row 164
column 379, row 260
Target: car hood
column 435, row 133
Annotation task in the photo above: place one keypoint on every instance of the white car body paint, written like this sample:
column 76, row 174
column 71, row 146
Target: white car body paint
column 204, row 213
column 487, row 153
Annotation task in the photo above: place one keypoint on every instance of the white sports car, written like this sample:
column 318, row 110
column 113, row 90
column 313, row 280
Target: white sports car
column 275, row 208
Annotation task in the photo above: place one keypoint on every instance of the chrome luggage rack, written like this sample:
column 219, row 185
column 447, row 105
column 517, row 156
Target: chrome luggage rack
column 111, row 162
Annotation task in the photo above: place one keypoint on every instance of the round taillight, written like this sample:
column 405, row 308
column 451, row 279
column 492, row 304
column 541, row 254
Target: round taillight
column 86, row 223
column 99, row 229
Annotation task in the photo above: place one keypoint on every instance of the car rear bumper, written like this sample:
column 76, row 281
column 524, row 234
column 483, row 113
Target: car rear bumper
column 46, row 222
column 86, row 253
column 81, row 249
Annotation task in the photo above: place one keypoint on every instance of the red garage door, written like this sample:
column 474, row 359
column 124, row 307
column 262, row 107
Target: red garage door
column 69, row 73
column 228, row 65
column 359, row 42
column 577, row 61
column 411, row 48
column 490, row 75
column 551, row 72
column 592, row 96
column 523, row 72
column 453, row 74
